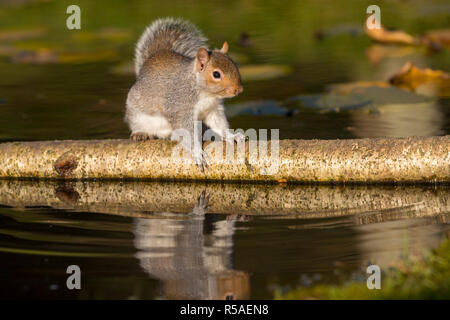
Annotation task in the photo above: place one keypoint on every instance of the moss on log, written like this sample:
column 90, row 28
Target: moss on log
column 412, row 159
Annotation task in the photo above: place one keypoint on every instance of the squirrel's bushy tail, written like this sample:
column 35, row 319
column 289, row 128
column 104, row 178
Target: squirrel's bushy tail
column 168, row 34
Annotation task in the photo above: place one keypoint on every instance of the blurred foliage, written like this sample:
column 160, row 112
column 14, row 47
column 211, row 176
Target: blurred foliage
column 425, row 277
column 76, row 81
column 281, row 30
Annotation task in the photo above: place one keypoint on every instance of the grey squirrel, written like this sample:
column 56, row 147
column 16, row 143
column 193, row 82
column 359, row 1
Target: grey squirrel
column 179, row 82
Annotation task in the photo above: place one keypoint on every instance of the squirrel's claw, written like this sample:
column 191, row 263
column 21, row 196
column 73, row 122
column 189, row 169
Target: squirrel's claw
column 239, row 137
column 236, row 137
column 201, row 159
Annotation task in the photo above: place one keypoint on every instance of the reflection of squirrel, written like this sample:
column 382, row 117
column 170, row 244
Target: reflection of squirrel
column 191, row 256
column 179, row 82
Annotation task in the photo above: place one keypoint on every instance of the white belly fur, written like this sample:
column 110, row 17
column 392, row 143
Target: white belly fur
column 152, row 125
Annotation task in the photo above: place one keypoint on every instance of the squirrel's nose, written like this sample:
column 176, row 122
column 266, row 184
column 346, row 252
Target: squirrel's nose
column 238, row 90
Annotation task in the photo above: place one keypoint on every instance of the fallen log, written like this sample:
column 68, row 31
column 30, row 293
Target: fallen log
column 403, row 160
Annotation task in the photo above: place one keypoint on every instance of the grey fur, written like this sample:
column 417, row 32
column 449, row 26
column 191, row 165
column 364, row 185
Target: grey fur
column 171, row 34
column 169, row 92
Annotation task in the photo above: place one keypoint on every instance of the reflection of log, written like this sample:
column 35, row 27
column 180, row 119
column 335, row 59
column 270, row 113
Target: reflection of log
column 141, row 199
column 413, row 159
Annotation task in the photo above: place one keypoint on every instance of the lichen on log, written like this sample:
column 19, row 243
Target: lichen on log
column 412, row 159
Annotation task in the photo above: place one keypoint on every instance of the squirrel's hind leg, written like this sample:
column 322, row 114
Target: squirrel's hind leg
column 146, row 127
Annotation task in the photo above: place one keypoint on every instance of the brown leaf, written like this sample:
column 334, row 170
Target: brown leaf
column 411, row 77
column 437, row 38
column 388, row 36
column 348, row 88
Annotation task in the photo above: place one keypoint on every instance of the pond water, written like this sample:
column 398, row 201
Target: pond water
column 178, row 240
column 147, row 239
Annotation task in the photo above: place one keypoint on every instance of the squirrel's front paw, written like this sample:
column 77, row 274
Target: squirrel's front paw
column 140, row 136
column 240, row 137
column 201, row 159
column 235, row 137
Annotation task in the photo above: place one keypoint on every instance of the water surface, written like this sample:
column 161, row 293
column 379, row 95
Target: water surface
column 135, row 240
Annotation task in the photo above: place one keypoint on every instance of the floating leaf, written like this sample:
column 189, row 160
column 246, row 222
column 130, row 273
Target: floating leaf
column 49, row 56
column 83, row 57
column 109, row 34
column 333, row 102
column 338, row 30
column 263, row 72
column 437, row 37
column 267, row 107
column 41, row 56
column 14, row 35
column 348, row 88
column 388, row 36
column 361, row 95
column 416, row 79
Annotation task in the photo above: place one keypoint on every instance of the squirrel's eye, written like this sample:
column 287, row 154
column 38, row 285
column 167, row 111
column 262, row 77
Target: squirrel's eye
column 216, row 74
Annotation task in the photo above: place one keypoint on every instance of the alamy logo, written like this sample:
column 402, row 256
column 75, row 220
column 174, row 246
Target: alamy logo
column 74, row 20
column 261, row 152
column 74, row 280
column 374, row 280
column 374, row 20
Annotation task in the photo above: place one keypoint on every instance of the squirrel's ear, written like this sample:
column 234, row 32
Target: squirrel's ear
column 202, row 59
column 224, row 49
